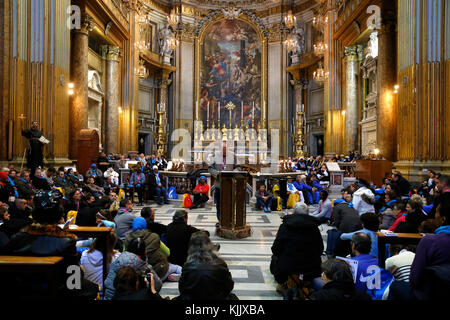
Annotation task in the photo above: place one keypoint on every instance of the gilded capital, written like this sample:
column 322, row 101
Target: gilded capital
column 111, row 53
column 87, row 24
column 165, row 83
column 299, row 83
column 354, row 53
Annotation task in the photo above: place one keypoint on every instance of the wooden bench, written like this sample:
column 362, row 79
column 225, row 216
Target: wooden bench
column 94, row 232
column 395, row 238
column 24, row 265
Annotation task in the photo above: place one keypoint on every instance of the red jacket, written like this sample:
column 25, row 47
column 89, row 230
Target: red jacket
column 202, row 188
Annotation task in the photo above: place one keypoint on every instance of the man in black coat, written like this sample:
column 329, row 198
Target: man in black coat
column 346, row 220
column 35, row 157
column 298, row 246
column 403, row 185
column 178, row 235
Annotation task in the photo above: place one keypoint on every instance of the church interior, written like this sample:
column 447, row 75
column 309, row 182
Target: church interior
column 335, row 95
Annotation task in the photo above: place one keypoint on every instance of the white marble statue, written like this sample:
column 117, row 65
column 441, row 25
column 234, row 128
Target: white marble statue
column 299, row 34
column 164, row 35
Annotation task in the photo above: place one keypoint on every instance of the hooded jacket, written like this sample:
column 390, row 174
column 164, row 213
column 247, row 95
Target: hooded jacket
column 93, row 266
column 299, row 246
column 128, row 259
column 155, row 257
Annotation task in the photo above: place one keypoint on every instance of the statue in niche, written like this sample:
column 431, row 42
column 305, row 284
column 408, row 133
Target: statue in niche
column 299, row 34
column 164, row 36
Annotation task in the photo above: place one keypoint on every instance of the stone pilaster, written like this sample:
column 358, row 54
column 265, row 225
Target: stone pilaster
column 79, row 77
column 112, row 56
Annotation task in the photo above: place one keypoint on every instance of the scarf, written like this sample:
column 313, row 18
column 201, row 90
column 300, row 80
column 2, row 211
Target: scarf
column 443, row 230
column 388, row 205
column 16, row 194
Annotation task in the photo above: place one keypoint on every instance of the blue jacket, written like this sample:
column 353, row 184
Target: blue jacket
column 365, row 262
column 373, row 237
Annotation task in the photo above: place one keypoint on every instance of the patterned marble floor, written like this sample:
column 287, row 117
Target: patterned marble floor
column 248, row 259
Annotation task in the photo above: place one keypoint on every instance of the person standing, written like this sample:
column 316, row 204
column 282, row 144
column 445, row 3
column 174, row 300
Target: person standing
column 35, row 158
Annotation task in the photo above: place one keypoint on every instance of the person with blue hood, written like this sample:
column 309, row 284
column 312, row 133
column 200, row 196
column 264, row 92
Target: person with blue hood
column 153, row 253
column 201, row 193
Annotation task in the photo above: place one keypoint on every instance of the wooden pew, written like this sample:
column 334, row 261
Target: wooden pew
column 395, row 238
column 23, row 264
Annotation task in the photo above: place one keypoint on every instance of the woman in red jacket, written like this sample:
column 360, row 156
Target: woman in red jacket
column 201, row 193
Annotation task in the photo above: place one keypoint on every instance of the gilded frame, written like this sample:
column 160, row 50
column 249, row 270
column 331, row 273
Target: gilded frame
column 199, row 41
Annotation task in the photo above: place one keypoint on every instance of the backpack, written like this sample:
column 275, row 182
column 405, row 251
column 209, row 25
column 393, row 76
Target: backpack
column 172, row 194
column 187, row 201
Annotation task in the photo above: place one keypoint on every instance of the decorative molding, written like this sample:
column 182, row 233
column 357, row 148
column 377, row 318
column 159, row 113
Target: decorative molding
column 215, row 13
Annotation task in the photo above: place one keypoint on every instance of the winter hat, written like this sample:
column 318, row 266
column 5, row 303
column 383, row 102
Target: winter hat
column 3, row 175
column 139, row 223
column 155, row 167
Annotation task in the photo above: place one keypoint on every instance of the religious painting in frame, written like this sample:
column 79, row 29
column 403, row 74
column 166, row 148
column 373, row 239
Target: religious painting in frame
column 231, row 74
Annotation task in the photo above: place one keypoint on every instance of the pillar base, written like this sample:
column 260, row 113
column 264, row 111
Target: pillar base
column 234, row 234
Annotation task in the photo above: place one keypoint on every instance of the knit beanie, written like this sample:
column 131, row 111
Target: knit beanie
column 139, row 223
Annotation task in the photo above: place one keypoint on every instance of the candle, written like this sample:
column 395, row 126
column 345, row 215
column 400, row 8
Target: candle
column 218, row 112
column 242, row 110
column 197, row 110
column 253, row 111
column 207, row 115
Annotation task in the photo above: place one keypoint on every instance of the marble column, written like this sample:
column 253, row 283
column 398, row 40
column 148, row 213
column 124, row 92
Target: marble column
column 79, row 103
column 162, row 134
column 386, row 80
column 112, row 56
column 353, row 54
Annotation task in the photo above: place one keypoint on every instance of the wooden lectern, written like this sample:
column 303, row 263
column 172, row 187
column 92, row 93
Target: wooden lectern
column 373, row 170
column 233, row 207
column 88, row 149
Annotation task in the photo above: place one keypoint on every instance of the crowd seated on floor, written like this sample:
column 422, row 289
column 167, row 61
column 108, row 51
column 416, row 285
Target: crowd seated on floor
column 412, row 272
column 33, row 206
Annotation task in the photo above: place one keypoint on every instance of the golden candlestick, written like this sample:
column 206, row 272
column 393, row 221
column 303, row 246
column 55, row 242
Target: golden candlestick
column 162, row 135
column 208, row 137
column 224, row 133
column 298, row 137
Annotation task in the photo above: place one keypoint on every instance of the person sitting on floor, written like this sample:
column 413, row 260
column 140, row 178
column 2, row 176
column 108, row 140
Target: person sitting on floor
column 200, row 193
column 177, row 237
column 297, row 248
column 264, row 199
column 338, row 283
column 361, row 248
column 128, row 286
column 370, row 225
column 325, row 210
column 155, row 256
column 205, row 274
column 92, row 259
column 148, row 214
column 124, row 219
column 134, row 257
